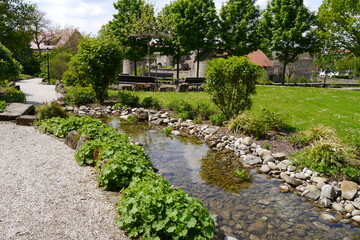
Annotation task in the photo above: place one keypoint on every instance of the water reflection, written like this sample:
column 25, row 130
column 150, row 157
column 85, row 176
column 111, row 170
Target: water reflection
column 247, row 210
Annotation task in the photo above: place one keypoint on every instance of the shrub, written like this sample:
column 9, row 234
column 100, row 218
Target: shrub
column 127, row 99
column 182, row 109
column 151, row 209
column 79, row 96
column 74, row 76
column 218, row 119
column 230, row 82
column 2, row 106
column 120, row 106
column 302, row 80
column 9, row 67
column 121, row 169
column 89, row 152
column 273, row 121
column 204, row 110
column 59, row 59
column 101, row 131
column 12, row 95
column 24, row 76
column 50, row 110
column 151, row 102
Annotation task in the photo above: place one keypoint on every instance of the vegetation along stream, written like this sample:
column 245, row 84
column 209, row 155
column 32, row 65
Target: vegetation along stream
column 255, row 208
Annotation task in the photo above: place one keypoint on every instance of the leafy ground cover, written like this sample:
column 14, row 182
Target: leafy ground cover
column 302, row 107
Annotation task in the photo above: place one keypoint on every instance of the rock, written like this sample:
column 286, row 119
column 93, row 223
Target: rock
column 72, row 139
column 300, row 176
column 291, row 168
column 328, row 217
column 311, row 187
column 175, row 133
column 247, row 141
column 250, row 160
column 265, row 169
column 328, row 191
column 258, row 228
column 263, row 153
column 325, row 202
column 291, row 181
column 210, row 131
column 319, row 179
column 282, row 166
column 268, row 159
column 313, row 195
column 356, row 204
column 230, row 238
column 272, row 166
column 356, row 219
column 219, row 234
column 284, row 189
column 319, row 185
column 279, row 156
column 349, row 189
column 220, row 145
column 349, row 208
column 26, row 120
column 355, row 213
column 338, row 207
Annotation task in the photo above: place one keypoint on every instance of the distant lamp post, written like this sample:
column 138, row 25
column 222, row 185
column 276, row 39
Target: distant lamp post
column 48, row 65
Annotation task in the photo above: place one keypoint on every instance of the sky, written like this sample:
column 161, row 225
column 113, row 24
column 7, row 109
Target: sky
column 89, row 15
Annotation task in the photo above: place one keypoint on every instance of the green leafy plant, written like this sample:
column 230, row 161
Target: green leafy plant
column 204, row 110
column 50, row 110
column 242, row 174
column 79, row 95
column 152, row 209
column 127, row 98
column 182, row 109
column 11, row 95
column 89, row 152
column 120, row 106
column 218, row 119
column 151, row 102
column 168, row 130
column 9, row 67
column 197, row 120
column 2, row 106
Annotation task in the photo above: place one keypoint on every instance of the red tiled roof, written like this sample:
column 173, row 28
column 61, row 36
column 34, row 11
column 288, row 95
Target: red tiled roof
column 259, row 58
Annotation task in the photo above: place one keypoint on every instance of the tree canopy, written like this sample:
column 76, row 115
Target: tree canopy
column 9, row 67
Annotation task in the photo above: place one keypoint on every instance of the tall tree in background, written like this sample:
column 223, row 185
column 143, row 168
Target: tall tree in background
column 15, row 27
column 9, row 67
column 40, row 26
column 196, row 26
column 133, row 26
column 286, row 26
column 339, row 22
column 238, row 24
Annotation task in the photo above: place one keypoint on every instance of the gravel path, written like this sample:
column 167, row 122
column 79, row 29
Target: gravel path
column 45, row 195
column 37, row 93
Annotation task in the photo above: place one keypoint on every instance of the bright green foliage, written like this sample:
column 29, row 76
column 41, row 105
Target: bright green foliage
column 218, row 119
column 74, row 76
column 122, row 168
column 238, row 24
column 100, row 58
column 89, row 152
column 9, row 67
column 59, row 59
column 98, row 130
column 339, row 24
column 150, row 103
column 242, row 174
column 79, row 95
column 230, row 82
column 182, row 109
column 2, row 106
column 50, row 110
column 286, row 27
column 12, row 95
column 151, row 209
column 127, row 99
column 204, row 110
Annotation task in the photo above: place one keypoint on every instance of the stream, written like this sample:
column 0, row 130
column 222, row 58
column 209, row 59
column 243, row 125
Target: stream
column 246, row 210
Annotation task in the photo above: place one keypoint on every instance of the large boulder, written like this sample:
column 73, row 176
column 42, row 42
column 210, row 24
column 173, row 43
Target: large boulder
column 279, row 156
column 328, row 191
column 263, row 153
column 349, row 189
column 72, row 139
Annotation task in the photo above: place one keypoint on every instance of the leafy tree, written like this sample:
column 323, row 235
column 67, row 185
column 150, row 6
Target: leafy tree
column 339, row 24
column 15, row 27
column 324, row 61
column 238, row 24
column 133, row 26
column 9, row 67
column 39, row 25
column 286, row 27
column 230, row 82
column 196, row 26
column 100, row 58
column 59, row 59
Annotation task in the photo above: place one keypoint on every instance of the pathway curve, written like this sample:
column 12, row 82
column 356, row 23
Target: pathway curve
column 37, row 93
column 44, row 194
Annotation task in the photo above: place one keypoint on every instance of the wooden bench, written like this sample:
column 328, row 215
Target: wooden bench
column 162, row 77
column 137, row 83
column 190, row 84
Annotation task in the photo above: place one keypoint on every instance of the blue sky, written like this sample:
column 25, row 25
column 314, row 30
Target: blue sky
column 89, row 15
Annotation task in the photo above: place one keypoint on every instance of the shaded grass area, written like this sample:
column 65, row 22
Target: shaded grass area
column 301, row 107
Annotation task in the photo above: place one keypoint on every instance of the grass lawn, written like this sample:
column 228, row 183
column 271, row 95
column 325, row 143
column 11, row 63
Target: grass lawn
column 302, row 107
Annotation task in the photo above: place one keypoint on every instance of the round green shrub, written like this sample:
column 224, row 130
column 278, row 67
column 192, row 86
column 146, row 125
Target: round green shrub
column 50, row 110
column 151, row 102
column 11, row 95
column 152, row 209
column 79, row 96
column 127, row 99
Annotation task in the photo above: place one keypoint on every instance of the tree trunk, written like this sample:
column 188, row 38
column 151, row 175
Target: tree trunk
column 135, row 67
column 324, row 85
column 177, row 68
column 283, row 74
column 197, row 68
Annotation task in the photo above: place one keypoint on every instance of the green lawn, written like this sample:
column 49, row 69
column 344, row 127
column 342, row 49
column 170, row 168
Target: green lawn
column 302, row 107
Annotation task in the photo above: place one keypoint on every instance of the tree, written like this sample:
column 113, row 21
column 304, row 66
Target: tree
column 287, row 28
column 39, row 26
column 196, row 26
column 100, row 58
column 324, row 61
column 238, row 24
column 9, row 67
column 339, row 24
column 15, row 27
column 133, row 26
column 230, row 82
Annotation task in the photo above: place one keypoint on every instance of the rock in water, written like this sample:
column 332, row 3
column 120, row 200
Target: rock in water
column 293, row 182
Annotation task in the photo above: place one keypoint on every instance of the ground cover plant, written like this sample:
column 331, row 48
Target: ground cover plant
column 79, row 95
column 10, row 94
column 2, row 106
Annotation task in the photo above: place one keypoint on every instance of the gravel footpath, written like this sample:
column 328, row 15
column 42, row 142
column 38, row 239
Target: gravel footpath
column 37, row 93
column 45, row 195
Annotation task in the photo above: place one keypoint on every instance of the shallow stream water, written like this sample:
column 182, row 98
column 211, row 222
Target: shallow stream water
column 255, row 208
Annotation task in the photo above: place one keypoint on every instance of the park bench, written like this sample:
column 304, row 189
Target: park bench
column 190, row 84
column 162, row 77
column 137, row 83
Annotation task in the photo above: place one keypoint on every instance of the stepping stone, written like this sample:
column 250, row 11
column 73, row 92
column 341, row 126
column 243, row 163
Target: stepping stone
column 26, row 120
column 15, row 110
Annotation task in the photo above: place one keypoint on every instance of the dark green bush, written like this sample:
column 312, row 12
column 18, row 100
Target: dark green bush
column 273, row 121
column 12, row 95
column 120, row 106
column 50, row 110
column 204, row 111
column 79, row 96
column 302, row 80
column 218, row 119
column 127, row 98
column 182, row 109
column 342, row 76
column 151, row 102
column 152, row 209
